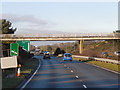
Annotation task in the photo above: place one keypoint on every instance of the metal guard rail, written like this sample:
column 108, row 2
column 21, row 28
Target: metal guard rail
column 98, row 59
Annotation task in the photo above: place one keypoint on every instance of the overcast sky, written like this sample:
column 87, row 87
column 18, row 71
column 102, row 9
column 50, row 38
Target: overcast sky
column 37, row 17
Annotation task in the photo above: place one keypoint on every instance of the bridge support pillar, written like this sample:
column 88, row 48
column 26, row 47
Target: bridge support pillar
column 81, row 46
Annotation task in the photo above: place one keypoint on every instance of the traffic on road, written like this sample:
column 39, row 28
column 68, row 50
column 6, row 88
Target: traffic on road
column 56, row 73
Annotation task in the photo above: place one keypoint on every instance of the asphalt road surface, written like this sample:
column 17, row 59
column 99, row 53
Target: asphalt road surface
column 55, row 73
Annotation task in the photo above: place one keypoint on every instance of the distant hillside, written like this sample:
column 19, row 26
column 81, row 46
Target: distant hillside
column 91, row 48
column 95, row 49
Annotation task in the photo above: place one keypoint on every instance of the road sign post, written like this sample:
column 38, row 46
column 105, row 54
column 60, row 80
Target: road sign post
column 14, row 49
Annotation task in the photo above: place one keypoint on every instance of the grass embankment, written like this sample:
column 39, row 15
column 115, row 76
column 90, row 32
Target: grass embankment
column 26, row 69
column 110, row 66
column 95, row 49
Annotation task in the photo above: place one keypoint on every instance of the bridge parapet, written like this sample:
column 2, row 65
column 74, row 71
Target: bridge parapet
column 62, row 35
column 7, row 35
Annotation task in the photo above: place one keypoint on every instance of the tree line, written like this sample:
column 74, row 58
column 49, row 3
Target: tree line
column 6, row 28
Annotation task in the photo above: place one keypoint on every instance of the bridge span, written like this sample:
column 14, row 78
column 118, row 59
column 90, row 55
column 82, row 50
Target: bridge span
column 60, row 38
column 81, row 39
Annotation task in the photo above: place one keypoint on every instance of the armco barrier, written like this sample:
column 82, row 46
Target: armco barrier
column 98, row 59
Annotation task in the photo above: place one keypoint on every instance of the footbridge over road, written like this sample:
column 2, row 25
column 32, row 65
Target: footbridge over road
column 81, row 39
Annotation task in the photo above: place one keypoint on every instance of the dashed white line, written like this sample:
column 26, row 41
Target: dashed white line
column 84, row 86
column 76, row 76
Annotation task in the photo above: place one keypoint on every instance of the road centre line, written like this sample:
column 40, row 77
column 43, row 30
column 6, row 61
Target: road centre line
column 84, row 86
column 77, row 77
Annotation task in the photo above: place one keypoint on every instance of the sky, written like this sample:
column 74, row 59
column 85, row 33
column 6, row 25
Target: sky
column 72, row 16
column 77, row 17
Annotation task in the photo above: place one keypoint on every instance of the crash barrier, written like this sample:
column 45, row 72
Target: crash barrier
column 98, row 59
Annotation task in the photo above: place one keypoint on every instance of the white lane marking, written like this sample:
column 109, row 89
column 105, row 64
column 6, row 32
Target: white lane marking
column 31, row 77
column 76, row 76
column 71, row 70
column 84, row 86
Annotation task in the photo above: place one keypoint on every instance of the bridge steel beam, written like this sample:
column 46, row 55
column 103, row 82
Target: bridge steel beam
column 81, row 42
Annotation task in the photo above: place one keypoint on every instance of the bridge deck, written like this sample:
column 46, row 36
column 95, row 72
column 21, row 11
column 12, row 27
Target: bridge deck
column 60, row 38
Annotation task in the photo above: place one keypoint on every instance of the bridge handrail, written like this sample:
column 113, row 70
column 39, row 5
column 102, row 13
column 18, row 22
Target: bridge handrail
column 53, row 35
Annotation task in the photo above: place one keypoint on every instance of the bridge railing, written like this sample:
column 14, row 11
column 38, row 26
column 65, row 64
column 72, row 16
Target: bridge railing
column 62, row 35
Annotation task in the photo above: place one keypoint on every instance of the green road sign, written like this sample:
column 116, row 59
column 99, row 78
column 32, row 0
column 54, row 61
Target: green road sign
column 14, row 49
column 24, row 44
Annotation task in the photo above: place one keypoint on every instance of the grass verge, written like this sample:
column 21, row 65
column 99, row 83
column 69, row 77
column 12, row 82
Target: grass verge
column 26, row 69
column 110, row 66
column 80, row 59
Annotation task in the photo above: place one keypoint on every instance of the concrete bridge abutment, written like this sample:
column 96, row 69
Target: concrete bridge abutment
column 81, row 42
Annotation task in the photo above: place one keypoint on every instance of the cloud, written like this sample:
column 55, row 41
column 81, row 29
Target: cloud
column 29, row 23
column 24, row 18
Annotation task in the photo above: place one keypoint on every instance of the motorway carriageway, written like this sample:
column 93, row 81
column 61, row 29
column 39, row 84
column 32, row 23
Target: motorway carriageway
column 55, row 73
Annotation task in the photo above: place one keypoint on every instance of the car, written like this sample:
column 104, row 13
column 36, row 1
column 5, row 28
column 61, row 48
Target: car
column 46, row 55
column 117, row 53
column 67, row 56
column 105, row 54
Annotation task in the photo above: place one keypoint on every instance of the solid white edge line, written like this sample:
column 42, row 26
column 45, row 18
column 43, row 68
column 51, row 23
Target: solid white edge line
column 31, row 76
column 104, row 68
column 84, row 86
